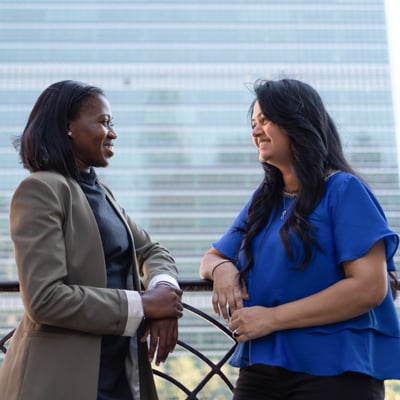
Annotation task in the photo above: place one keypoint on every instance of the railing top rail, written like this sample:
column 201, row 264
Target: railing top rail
column 9, row 286
column 188, row 285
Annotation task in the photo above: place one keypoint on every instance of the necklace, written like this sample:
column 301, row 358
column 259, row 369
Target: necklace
column 289, row 195
column 284, row 212
column 286, row 195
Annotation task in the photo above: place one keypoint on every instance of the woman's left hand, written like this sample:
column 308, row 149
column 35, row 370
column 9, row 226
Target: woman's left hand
column 251, row 323
column 163, row 338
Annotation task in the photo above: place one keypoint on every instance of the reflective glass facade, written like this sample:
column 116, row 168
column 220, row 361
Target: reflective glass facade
column 177, row 76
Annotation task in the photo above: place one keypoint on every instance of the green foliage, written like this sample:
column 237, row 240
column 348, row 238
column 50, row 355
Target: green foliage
column 392, row 390
column 189, row 371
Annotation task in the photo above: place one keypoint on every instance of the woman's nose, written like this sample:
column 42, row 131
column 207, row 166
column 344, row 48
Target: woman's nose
column 256, row 131
column 112, row 134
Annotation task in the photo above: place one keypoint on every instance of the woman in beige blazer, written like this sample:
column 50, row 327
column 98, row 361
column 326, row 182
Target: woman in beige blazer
column 82, row 264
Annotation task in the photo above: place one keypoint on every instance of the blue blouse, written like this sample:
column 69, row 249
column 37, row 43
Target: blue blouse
column 348, row 221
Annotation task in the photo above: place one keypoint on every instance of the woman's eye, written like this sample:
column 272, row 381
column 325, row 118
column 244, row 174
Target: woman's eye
column 107, row 123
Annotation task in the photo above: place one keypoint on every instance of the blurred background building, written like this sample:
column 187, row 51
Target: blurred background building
column 177, row 74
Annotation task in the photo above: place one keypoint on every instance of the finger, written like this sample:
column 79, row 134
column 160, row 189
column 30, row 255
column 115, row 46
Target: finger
column 174, row 339
column 163, row 349
column 233, row 322
column 221, row 305
column 152, row 345
column 224, row 312
column 245, row 293
column 241, row 337
column 236, row 301
column 179, row 292
column 178, row 308
column 180, row 311
column 171, row 341
column 215, row 303
column 237, row 298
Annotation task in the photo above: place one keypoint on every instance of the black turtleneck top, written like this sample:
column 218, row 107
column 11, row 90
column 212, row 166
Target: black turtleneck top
column 117, row 248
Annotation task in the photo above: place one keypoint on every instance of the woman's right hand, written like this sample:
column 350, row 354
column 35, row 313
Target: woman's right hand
column 228, row 294
column 162, row 302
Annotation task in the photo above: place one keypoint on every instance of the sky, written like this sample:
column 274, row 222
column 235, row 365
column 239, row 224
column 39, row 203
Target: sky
column 393, row 25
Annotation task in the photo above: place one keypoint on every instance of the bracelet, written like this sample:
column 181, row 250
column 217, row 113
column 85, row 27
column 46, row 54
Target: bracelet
column 217, row 265
column 164, row 283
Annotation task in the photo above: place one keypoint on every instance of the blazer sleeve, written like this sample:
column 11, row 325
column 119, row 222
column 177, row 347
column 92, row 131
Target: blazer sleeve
column 57, row 291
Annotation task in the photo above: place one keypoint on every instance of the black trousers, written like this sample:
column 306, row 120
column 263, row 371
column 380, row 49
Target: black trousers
column 260, row 382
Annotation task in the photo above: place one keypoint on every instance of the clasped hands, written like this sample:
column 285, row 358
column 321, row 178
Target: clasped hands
column 162, row 308
column 246, row 323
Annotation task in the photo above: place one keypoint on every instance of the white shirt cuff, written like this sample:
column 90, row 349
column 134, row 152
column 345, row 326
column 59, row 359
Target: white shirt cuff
column 163, row 278
column 135, row 312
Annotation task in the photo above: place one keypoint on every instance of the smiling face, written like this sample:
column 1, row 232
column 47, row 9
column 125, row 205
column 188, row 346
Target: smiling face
column 271, row 140
column 92, row 134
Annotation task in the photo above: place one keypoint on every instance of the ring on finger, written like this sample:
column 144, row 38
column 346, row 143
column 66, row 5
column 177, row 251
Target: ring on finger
column 235, row 333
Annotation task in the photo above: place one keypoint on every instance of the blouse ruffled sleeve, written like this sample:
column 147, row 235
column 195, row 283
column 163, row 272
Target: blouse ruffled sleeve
column 359, row 222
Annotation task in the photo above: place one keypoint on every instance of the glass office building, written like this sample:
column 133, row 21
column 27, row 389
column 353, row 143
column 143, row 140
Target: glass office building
column 177, row 74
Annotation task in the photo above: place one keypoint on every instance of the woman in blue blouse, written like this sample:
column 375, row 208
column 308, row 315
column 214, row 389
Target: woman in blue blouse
column 303, row 274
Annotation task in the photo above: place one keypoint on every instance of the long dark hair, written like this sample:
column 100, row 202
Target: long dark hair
column 316, row 149
column 44, row 144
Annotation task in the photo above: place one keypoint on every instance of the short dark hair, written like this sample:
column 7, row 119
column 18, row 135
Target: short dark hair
column 44, row 144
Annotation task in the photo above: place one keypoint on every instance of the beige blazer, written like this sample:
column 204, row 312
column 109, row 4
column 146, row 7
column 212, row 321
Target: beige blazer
column 55, row 351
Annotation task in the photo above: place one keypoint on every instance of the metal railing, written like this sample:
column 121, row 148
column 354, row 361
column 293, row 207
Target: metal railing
column 215, row 368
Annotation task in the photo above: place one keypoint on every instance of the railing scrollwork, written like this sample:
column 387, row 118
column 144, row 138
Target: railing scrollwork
column 215, row 368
